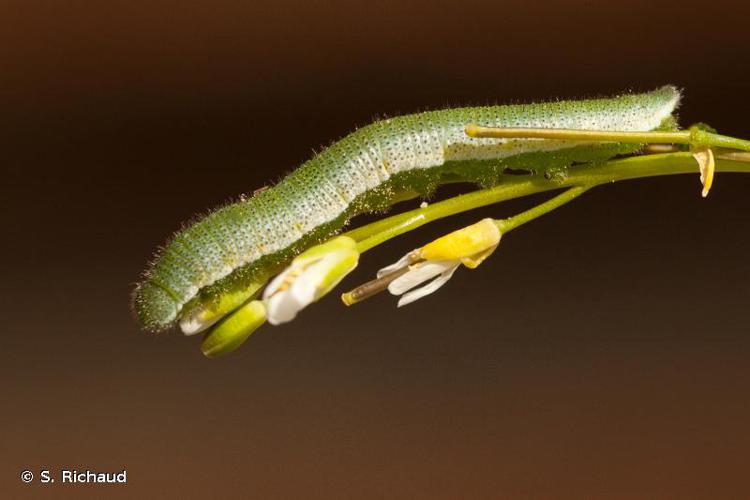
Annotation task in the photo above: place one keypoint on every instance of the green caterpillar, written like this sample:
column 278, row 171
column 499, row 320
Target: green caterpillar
column 242, row 244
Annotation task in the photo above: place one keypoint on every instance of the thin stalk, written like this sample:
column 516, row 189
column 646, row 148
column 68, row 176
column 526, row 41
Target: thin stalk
column 509, row 224
column 635, row 167
column 694, row 136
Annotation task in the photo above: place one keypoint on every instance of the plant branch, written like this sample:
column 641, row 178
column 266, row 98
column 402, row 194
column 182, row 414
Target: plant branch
column 635, row 167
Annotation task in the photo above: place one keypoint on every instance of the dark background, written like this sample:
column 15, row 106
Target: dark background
column 602, row 352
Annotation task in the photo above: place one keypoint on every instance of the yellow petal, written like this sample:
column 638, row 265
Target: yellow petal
column 707, row 165
column 474, row 261
column 470, row 244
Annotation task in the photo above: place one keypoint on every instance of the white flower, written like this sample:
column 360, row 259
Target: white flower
column 310, row 276
column 420, row 273
column 438, row 260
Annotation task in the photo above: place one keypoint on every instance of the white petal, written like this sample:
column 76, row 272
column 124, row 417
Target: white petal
column 190, row 324
column 429, row 288
column 282, row 307
column 306, row 284
column 402, row 262
column 275, row 283
column 418, row 274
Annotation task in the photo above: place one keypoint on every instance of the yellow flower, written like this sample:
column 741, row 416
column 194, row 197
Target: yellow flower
column 438, row 260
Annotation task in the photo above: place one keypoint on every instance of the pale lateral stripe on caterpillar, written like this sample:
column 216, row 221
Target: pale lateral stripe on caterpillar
column 317, row 198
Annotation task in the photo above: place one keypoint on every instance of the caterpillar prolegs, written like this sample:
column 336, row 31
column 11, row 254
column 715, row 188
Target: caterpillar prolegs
column 241, row 245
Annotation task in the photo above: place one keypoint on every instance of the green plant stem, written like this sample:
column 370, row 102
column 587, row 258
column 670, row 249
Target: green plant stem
column 635, row 167
column 694, row 136
column 509, row 224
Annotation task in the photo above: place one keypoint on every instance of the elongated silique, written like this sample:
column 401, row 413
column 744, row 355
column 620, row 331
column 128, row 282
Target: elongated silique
column 370, row 169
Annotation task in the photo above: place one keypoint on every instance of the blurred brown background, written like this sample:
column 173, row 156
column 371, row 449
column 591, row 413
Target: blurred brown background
column 603, row 352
